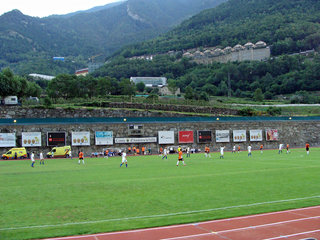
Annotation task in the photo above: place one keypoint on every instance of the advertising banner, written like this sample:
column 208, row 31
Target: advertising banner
column 204, row 136
column 222, row 136
column 272, row 135
column 31, row 139
column 56, row 139
column 80, row 138
column 239, row 136
column 255, row 135
column 136, row 140
column 166, row 137
column 186, row 137
column 7, row 139
column 104, row 138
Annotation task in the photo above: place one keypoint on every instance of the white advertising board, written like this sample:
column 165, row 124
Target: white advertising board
column 104, row 138
column 239, row 136
column 7, row 139
column 80, row 138
column 255, row 135
column 31, row 139
column 166, row 137
column 136, row 140
column 222, row 136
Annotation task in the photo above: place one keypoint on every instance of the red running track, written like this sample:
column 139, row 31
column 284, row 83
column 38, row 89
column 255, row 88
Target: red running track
column 294, row 224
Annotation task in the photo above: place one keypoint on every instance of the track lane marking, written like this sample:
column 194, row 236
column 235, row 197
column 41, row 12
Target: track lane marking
column 243, row 228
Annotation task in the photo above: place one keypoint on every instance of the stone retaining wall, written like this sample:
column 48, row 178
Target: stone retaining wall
column 296, row 133
column 114, row 110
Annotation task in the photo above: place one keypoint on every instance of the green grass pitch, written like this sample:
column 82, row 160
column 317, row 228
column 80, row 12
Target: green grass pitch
column 64, row 198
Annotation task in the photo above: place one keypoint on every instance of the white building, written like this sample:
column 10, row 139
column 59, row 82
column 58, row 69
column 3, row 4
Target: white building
column 154, row 81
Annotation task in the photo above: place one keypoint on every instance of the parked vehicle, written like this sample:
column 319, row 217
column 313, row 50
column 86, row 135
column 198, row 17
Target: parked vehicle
column 15, row 152
column 11, row 100
column 59, row 152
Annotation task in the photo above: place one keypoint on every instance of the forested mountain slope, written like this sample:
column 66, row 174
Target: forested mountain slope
column 288, row 25
column 28, row 43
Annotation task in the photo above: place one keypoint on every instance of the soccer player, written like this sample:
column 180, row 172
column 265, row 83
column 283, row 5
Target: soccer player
column 124, row 159
column 221, row 151
column 188, row 151
column 138, row 151
column 41, row 158
column 107, row 154
column 160, row 152
column 32, row 159
column 134, row 150
column 239, row 149
column 81, row 157
column 70, row 154
column 288, row 151
column 149, row 150
column 307, row 147
column 165, row 153
column 142, row 149
column 249, row 151
column 280, row 148
column 233, row 149
column 129, row 150
column 180, row 158
column 261, row 148
column 207, row 151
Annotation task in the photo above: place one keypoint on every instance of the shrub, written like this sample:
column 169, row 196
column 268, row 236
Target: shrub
column 274, row 111
column 47, row 101
column 247, row 111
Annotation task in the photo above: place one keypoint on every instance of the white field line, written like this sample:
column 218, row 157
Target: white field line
column 185, row 225
column 292, row 235
column 161, row 215
column 243, row 228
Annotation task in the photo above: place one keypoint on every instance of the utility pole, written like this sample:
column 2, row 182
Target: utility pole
column 229, row 85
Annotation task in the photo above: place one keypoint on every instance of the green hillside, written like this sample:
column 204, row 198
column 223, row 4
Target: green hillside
column 288, row 25
column 28, row 43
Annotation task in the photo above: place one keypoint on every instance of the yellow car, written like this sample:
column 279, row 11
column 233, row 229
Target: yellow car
column 58, row 152
column 15, row 152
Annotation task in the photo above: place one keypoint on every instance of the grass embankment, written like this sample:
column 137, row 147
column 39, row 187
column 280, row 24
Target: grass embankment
column 64, row 198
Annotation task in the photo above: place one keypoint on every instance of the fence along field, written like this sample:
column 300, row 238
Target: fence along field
column 63, row 198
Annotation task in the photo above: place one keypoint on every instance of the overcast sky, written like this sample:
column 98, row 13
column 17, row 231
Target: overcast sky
column 38, row 8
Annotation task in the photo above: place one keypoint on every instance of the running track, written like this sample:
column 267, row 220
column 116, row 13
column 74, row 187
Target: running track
column 303, row 223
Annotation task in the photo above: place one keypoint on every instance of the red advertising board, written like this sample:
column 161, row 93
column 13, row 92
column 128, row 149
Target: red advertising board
column 185, row 136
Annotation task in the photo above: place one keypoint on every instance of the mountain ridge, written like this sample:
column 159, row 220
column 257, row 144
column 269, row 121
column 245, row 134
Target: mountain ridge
column 84, row 35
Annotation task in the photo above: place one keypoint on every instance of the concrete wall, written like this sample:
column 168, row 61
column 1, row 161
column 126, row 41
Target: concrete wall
column 296, row 133
column 247, row 54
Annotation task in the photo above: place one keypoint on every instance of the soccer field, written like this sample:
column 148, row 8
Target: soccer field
column 63, row 198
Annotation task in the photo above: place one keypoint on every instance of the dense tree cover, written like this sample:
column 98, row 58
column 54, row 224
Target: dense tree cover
column 11, row 85
column 71, row 86
column 29, row 42
column 288, row 25
column 283, row 75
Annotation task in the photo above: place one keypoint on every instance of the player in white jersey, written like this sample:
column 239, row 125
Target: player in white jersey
column 234, row 149
column 165, row 153
column 280, row 148
column 41, row 158
column 221, row 151
column 188, row 151
column 32, row 159
column 249, row 151
column 124, row 159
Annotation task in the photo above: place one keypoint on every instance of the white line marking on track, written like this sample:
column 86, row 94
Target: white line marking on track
column 185, row 225
column 243, row 228
column 292, row 235
column 161, row 215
